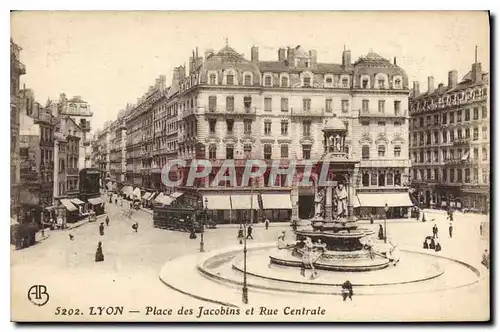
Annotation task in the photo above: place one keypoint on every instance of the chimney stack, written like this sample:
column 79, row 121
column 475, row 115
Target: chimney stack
column 291, row 57
column 430, row 84
column 452, row 79
column 395, row 63
column 346, row 58
column 416, row 89
column 281, row 54
column 255, row 54
column 314, row 58
column 476, row 72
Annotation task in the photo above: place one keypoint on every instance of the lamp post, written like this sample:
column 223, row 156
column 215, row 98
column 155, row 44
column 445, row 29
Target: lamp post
column 245, row 287
column 386, row 209
column 202, row 221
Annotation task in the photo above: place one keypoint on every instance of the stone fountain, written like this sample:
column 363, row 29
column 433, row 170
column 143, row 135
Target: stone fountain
column 332, row 240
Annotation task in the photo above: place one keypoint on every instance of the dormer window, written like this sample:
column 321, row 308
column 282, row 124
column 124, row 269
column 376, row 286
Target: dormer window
column 345, row 82
column 307, row 82
column 329, row 80
column 284, row 81
column 213, row 79
column 248, row 80
column 268, row 80
column 365, row 83
column 381, row 84
column 397, row 83
column 230, row 79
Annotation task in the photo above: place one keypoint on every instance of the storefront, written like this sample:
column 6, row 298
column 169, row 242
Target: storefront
column 72, row 213
column 96, row 205
column 374, row 204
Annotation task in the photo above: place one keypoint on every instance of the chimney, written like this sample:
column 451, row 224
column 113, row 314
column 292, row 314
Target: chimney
column 346, row 58
column 176, row 75
column 452, row 79
column 254, row 54
column 62, row 97
column 281, row 54
column 208, row 53
column 291, row 57
column 440, row 87
column 476, row 72
column 314, row 58
column 416, row 89
column 182, row 71
column 191, row 63
column 395, row 63
column 430, row 84
column 162, row 80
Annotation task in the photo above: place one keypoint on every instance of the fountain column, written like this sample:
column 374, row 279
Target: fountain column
column 350, row 194
column 328, row 203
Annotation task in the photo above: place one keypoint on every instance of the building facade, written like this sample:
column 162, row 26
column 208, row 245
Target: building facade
column 17, row 68
column 225, row 106
column 450, row 142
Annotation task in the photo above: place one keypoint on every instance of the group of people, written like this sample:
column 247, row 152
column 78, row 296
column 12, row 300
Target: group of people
column 241, row 236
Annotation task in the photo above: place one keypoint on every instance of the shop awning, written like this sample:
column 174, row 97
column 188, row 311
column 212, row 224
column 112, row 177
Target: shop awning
column 176, row 194
column 355, row 202
column 153, row 195
column 242, row 202
column 217, row 202
column 77, row 201
column 276, row 201
column 159, row 197
column 95, row 201
column 137, row 193
column 146, row 195
column 166, row 200
column 379, row 200
column 68, row 205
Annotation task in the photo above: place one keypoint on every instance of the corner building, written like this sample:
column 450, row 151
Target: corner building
column 450, row 142
column 230, row 107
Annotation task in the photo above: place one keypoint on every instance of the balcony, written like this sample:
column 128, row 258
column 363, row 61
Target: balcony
column 72, row 171
column 385, row 163
column 457, row 162
column 314, row 112
column 461, row 141
column 377, row 114
column 20, row 67
column 47, row 143
column 146, row 155
column 220, row 111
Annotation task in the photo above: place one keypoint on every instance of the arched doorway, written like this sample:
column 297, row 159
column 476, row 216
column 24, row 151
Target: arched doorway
column 306, row 193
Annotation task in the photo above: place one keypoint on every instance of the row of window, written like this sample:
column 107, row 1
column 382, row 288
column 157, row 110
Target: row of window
column 381, row 178
column 453, row 97
column 433, row 138
column 268, row 151
column 381, row 106
column 247, row 127
column 450, row 154
column 452, row 175
column 381, row 150
column 450, row 117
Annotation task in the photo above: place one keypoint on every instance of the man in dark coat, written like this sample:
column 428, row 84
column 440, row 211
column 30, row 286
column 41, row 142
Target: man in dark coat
column 99, row 256
column 380, row 232
column 135, row 226
column 101, row 228
column 267, row 224
column 107, row 220
column 450, row 229
column 435, row 231
column 249, row 232
column 347, row 290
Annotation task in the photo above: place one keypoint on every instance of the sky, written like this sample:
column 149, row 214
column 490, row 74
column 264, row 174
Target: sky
column 111, row 58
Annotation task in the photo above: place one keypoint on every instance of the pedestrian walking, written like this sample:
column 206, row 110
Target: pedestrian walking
column 371, row 219
column 135, row 226
column 101, row 229
column 99, row 256
column 116, row 201
column 486, row 259
column 240, row 234
column 192, row 236
column 450, row 229
column 347, row 290
column 435, row 231
column 267, row 224
column 107, row 220
column 380, row 232
column 249, row 232
column 423, row 217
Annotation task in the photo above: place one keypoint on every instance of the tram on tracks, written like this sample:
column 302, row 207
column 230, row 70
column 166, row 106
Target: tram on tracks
column 182, row 219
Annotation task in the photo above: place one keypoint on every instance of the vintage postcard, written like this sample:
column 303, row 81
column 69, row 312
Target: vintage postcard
column 250, row 166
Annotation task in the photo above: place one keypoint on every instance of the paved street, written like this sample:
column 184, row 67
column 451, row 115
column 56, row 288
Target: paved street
column 129, row 274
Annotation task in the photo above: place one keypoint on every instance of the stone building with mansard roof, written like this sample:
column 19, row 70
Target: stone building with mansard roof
column 226, row 106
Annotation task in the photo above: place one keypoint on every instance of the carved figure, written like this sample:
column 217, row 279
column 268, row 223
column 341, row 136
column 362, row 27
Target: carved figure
column 341, row 200
column 318, row 203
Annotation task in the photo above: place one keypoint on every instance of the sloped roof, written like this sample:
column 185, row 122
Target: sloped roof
column 334, row 124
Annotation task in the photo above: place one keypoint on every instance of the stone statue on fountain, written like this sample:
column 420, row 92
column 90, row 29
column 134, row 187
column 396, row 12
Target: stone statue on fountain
column 318, row 204
column 341, row 201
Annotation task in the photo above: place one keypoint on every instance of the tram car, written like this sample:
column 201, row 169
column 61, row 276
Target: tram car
column 89, row 183
column 177, row 219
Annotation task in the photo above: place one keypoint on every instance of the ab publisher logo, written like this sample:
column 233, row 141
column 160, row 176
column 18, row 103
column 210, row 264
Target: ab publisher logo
column 38, row 295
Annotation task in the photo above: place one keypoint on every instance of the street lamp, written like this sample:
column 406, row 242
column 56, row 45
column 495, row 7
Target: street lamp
column 386, row 208
column 205, row 208
column 245, row 288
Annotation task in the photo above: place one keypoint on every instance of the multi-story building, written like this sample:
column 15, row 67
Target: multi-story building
column 139, row 131
column 36, row 153
column 16, row 70
column 104, row 152
column 118, row 151
column 450, row 141
column 79, row 111
column 229, row 107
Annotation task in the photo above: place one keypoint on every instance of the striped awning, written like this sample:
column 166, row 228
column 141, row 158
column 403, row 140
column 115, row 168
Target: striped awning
column 242, row 202
column 153, row 195
column 137, row 193
column 68, row 205
column 176, row 194
column 146, row 195
column 166, row 200
column 159, row 197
